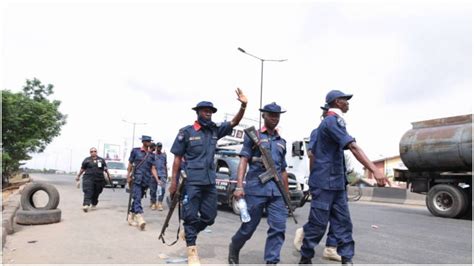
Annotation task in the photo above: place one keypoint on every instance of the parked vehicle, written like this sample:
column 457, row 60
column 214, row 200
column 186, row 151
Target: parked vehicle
column 227, row 162
column 118, row 173
column 438, row 155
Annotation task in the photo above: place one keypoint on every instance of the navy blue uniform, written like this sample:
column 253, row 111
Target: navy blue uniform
column 259, row 196
column 331, row 240
column 142, row 176
column 160, row 164
column 198, row 145
column 93, row 181
column 327, row 183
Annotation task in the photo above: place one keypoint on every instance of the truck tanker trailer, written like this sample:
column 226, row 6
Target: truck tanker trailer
column 438, row 155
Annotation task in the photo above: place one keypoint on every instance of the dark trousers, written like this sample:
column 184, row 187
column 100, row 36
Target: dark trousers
column 163, row 189
column 277, row 215
column 138, row 190
column 154, row 189
column 199, row 210
column 92, row 189
column 328, row 206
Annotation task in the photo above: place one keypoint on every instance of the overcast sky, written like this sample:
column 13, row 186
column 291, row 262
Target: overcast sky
column 150, row 63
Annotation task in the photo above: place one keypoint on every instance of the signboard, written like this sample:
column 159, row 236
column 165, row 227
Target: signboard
column 112, row 152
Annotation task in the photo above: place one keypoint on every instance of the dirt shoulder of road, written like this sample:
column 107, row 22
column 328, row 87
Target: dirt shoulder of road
column 15, row 183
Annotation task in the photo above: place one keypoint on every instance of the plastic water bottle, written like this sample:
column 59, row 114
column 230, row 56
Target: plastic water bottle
column 185, row 200
column 244, row 213
column 158, row 190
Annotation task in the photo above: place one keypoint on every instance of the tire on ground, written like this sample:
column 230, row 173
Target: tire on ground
column 26, row 199
column 446, row 201
column 34, row 217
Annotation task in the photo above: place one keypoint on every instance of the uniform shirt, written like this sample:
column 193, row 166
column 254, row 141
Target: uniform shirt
column 312, row 140
column 94, row 168
column 198, row 145
column 137, row 155
column 329, row 169
column 160, row 163
column 277, row 147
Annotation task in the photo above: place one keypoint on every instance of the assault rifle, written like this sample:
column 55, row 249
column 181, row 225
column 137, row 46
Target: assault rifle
column 130, row 191
column 272, row 172
column 174, row 202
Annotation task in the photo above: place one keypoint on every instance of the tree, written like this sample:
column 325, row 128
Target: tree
column 29, row 123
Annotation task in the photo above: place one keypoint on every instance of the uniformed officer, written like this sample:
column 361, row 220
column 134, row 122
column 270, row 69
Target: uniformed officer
column 161, row 168
column 143, row 163
column 330, row 251
column 328, row 181
column 262, row 196
column 197, row 144
column 93, row 181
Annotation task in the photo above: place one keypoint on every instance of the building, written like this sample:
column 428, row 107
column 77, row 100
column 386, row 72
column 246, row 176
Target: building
column 386, row 165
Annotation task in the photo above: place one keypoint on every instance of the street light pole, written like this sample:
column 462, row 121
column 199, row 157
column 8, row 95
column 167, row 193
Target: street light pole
column 134, row 124
column 261, row 77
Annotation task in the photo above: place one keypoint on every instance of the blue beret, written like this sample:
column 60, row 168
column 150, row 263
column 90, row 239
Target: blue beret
column 335, row 94
column 146, row 138
column 272, row 108
column 205, row 104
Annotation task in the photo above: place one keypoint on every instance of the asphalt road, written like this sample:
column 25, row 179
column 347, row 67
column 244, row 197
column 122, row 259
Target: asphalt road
column 384, row 234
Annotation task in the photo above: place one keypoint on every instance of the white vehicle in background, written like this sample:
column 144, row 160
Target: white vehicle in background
column 118, row 173
column 298, row 161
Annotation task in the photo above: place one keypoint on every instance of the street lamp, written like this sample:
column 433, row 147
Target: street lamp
column 134, row 124
column 261, row 77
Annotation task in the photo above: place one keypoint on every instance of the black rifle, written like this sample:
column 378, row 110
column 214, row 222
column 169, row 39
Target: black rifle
column 130, row 189
column 271, row 173
column 174, row 202
column 110, row 183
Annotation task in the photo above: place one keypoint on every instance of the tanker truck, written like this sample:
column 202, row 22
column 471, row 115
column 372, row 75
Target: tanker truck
column 438, row 156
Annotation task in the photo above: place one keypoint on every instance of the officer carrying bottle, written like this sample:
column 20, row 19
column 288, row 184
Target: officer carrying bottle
column 260, row 196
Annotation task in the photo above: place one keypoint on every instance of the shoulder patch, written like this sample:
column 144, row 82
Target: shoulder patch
column 180, row 135
column 341, row 122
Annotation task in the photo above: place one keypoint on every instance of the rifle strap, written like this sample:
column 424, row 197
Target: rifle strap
column 142, row 161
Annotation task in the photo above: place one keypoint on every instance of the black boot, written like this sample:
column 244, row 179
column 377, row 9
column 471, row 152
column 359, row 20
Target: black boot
column 346, row 261
column 305, row 260
column 233, row 258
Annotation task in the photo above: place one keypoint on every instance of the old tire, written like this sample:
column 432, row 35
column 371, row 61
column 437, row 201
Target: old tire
column 26, row 199
column 33, row 217
column 446, row 201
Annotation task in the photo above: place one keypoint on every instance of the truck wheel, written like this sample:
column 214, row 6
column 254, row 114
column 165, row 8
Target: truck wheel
column 27, row 202
column 234, row 206
column 446, row 201
column 467, row 213
column 32, row 217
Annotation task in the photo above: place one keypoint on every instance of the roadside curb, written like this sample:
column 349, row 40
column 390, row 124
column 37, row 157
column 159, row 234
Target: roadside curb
column 9, row 212
column 389, row 195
